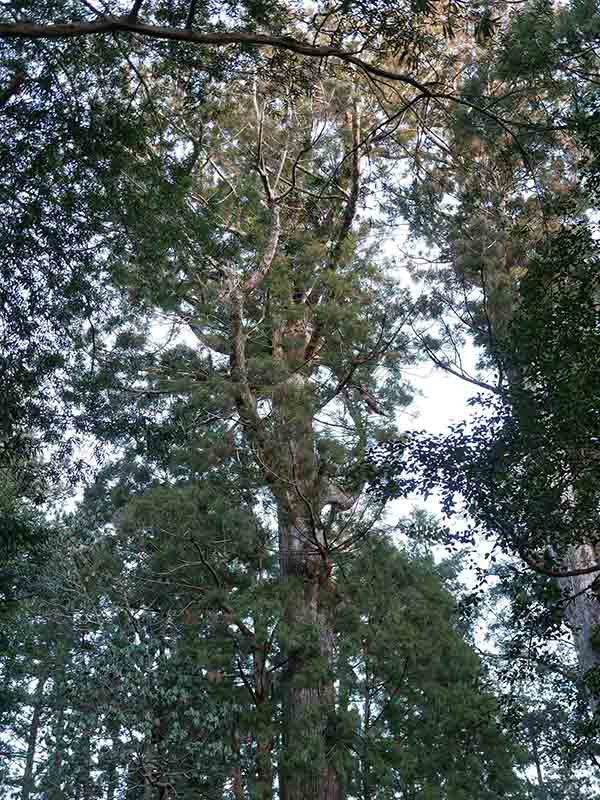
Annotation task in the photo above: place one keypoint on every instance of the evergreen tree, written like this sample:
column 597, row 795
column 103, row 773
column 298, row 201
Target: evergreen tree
column 226, row 173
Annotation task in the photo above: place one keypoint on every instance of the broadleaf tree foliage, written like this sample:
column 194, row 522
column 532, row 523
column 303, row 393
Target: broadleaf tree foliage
column 518, row 245
column 198, row 308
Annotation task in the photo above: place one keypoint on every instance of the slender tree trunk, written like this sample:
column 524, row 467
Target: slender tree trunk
column 111, row 785
column 150, row 769
column 54, row 777
column 366, row 768
column 536, row 758
column 27, row 780
column 263, row 736
column 85, row 787
column 237, row 781
column 135, row 787
column 264, row 769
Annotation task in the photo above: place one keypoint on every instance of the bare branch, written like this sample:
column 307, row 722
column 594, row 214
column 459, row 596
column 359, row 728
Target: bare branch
column 275, row 228
column 135, row 10
column 284, row 154
column 220, row 172
column 216, row 343
column 92, row 8
column 260, row 160
column 459, row 373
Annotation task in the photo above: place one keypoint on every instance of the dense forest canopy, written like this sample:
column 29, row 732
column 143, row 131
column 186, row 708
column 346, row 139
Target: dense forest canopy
column 205, row 343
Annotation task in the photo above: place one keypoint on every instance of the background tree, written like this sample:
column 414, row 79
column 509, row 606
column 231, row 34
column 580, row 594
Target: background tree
column 522, row 282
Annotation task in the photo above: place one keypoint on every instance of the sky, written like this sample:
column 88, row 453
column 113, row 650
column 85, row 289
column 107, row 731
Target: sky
column 441, row 400
column 444, row 396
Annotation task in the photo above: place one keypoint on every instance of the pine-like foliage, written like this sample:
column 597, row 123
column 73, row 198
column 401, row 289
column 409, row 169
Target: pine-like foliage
column 201, row 318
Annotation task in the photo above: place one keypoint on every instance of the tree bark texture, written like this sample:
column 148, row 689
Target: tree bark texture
column 583, row 611
column 309, row 694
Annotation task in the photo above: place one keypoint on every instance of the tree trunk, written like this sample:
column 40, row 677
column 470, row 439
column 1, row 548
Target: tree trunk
column 264, row 769
column 536, row 758
column 583, row 611
column 54, row 777
column 150, row 769
column 27, row 782
column 237, row 780
column 365, row 765
column 134, row 789
column 85, row 785
column 263, row 732
column 309, row 694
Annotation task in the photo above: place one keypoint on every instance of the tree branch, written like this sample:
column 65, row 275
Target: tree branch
column 244, row 398
column 456, row 372
column 189, row 24
column 135, row 10
column 269, row 254
column 557, row 573
column 275, row 228
column 31, row 30
column 349, row 214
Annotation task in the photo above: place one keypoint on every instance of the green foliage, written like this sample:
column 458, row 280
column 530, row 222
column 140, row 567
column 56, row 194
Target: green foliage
column 193, row 284
column 409, row 665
